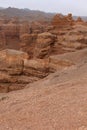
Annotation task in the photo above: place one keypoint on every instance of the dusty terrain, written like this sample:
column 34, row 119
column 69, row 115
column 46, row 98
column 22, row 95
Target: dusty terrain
column 52, row 106
column 43, row 73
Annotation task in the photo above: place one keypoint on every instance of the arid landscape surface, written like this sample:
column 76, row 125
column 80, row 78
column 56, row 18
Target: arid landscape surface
column 43, row 71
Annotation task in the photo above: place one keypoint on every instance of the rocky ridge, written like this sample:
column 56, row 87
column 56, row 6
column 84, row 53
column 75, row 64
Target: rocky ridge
column 30, row 51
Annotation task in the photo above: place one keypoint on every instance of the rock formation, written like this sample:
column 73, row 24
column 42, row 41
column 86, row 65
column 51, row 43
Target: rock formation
column 44, row 44
column 79, row 19
column 16, row 70
column 30, row 49
column 9, row 35
column 11, row 67
column 60, row 21
column 27, row 43
column 36, row 67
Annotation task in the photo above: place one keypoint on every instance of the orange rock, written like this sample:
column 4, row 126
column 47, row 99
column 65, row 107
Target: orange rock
column 44, row 43
column 61, row 21
column 79, row 19
column 36, row 67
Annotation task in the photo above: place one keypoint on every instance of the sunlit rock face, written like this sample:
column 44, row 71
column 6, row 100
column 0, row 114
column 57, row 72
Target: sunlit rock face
column 60, row 21
column 31, row 49
column 17, row 70
column 11, row 69
column 44, row 44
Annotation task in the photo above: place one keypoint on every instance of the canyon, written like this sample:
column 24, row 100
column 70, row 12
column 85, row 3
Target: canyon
column 43, row 72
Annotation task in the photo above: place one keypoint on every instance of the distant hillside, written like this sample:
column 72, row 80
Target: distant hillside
column 83, row 17
column 1, row 8
column 25, row 14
